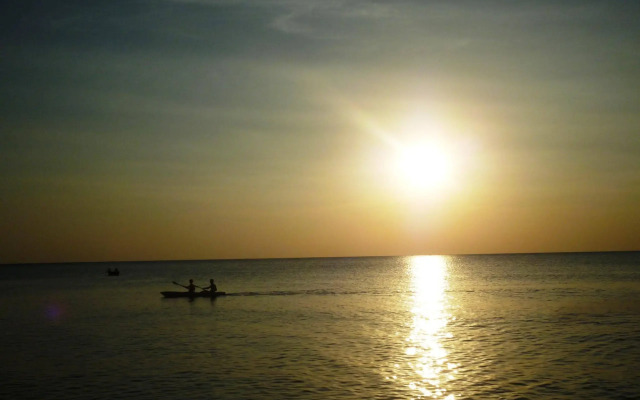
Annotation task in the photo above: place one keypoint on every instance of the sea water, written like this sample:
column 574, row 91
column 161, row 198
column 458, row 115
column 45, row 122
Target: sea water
column 556, row 326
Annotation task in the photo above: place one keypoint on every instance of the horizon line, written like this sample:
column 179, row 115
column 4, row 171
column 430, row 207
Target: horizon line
column 313, row 257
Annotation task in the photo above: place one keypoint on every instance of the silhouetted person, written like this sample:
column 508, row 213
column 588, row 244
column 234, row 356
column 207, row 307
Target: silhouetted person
column 190, row 287
column 212, row 287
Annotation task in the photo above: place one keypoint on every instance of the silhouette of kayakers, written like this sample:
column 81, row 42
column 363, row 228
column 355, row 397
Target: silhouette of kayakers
column 114, row 272
column 209, row 291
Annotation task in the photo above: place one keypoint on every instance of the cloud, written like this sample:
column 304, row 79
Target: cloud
column 310, row 18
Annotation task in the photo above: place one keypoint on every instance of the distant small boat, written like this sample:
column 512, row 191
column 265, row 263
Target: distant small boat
column 196, row 294
column 113, row 273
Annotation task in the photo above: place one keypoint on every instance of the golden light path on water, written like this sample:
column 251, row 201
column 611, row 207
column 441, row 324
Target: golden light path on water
column 426, row 355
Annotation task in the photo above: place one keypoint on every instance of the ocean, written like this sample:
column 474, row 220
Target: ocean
column 529, row 326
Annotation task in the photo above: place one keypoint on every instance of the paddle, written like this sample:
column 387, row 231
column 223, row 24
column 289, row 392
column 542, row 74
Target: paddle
column 186, row 287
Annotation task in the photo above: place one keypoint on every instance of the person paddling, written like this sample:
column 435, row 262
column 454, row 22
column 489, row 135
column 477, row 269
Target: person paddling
column 212, row 287
column 190, row 287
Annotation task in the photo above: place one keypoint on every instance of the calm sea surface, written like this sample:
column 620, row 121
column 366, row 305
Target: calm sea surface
column 546, row 326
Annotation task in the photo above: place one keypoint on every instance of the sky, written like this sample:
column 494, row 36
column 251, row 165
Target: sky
column 210, row 129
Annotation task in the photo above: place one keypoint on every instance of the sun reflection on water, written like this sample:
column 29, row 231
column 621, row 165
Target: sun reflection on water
column 425, row 353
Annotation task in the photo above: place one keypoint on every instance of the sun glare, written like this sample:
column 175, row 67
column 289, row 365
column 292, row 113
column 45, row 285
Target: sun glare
column 423, row 167
column 424, row 157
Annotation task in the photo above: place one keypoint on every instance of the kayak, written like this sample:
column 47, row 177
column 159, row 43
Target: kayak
column 196, row 294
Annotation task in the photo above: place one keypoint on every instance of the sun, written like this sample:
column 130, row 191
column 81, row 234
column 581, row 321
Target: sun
column 423, row 167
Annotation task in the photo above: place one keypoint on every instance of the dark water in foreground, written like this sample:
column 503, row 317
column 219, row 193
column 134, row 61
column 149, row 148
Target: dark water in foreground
column 554, row 326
